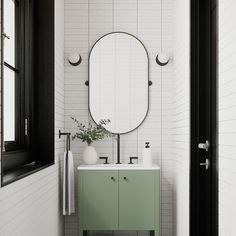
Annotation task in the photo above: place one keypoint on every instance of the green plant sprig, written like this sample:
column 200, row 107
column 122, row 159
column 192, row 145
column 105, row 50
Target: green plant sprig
column 91, row 133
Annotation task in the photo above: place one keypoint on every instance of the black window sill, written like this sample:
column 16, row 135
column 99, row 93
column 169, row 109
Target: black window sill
column 13, row 175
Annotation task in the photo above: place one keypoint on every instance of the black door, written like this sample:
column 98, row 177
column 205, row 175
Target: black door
column 203, row 173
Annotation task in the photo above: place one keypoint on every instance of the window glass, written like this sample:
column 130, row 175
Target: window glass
column 9, row 30
column 9, row 74
column 9, row 104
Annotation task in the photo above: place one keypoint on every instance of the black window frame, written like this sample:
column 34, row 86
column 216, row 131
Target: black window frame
column 23, row 78
column 23, row 90
column 36, row 70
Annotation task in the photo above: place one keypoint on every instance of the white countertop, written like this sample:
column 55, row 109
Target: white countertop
column 118, row 167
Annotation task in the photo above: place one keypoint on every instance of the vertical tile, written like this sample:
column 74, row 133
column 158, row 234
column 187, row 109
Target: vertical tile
column 180, row 113
column 227, row 117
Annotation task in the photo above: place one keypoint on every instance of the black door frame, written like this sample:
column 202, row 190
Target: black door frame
column 203, row 211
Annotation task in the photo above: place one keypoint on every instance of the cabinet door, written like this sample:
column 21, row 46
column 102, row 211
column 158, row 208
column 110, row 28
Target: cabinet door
column 137, row 200
column 98, row 199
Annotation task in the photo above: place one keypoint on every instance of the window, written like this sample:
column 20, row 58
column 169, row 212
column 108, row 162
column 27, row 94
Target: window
column 27, row 86
column 16, row 75
column 16, row 78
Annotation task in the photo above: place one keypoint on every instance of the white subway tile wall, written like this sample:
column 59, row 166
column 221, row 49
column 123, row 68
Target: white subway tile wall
column 181, row 117
column 32, row 206
column 151, row 22
column 227, row 117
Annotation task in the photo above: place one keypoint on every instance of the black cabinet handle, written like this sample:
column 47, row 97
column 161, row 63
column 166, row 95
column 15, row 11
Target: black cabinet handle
column 125, row 178
column 112, row 178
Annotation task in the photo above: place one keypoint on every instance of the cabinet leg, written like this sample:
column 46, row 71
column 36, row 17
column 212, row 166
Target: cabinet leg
column 154, row 232
column 83, row 232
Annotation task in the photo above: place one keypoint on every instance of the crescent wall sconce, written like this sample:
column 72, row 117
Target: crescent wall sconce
column 162, row 59
column 74, row 59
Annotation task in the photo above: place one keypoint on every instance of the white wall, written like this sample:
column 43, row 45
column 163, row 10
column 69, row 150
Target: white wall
column 227, row 117
column 181, row 116
column 31, row 206
column 151, row 22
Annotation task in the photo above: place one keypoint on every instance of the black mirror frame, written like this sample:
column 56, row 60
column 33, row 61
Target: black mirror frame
column 148, row 81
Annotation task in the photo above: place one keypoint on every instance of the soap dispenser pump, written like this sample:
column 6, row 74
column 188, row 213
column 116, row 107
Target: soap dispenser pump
column 147, row 155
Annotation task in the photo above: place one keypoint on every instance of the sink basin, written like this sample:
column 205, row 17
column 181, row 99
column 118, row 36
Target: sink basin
column 117, row 167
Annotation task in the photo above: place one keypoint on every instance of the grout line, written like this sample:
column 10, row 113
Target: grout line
column 137, row 18
column 137, row 25
column 161, row 120
column 88, row 52
column 113, row 15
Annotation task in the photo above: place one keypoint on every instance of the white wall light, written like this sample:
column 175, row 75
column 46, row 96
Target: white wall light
column 74, row 59
column 162, row 58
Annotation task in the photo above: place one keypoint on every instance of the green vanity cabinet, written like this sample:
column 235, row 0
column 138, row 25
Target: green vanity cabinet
column 137, row 199
column 119, row 200
column 98, row 199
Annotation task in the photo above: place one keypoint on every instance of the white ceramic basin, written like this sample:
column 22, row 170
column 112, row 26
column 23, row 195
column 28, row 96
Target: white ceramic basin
column 118, row 167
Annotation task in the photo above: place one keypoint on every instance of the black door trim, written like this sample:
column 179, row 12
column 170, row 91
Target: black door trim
column 199, row 9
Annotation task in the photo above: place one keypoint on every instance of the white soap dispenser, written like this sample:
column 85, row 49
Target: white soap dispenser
column 147, row 155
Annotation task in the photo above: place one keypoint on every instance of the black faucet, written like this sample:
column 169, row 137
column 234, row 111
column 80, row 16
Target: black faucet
column 118, row 149
column 105, row 160
column 131, row 160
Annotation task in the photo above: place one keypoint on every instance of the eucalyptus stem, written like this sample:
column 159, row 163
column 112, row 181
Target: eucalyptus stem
column 91, row 132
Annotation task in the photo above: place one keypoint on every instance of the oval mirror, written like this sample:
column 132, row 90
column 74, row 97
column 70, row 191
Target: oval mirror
column 118, row 82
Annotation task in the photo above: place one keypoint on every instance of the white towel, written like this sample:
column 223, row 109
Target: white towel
column 68, row 184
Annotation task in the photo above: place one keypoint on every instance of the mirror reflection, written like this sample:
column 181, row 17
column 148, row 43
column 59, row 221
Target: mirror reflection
column 118, row 82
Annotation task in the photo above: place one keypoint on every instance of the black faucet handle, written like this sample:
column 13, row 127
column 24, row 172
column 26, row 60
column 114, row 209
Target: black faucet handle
column 131, row 159
column 104, row 158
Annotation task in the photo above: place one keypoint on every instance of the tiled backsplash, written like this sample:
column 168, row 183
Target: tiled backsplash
column 181, row 117
column 151, row 22
column 227, row 117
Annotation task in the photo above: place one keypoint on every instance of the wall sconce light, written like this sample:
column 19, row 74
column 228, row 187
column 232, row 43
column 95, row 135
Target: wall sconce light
column 74, row 59
column 162, row 58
